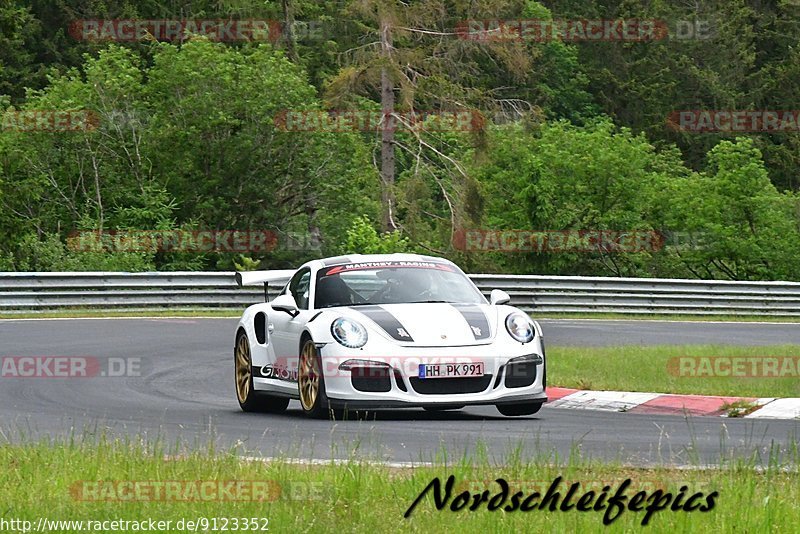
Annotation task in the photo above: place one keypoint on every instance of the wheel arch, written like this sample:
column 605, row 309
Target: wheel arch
column 305, row 336
column 240, row 330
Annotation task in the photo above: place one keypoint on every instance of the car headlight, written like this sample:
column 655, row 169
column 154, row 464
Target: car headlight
column 520, row 327
column 349, row 333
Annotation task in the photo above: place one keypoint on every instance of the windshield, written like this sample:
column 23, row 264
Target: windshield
column 393, row 282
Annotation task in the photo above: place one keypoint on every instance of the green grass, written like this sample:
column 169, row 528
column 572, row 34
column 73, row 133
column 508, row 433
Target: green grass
column 36, row 481
column 657, row 369
column 666, row 317
column 739, row 408
column 93, row 314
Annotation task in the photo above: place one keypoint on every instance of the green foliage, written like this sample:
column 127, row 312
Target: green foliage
column 51, row 254
column 569, row 178
column 189, row 142
column 363, row 238
column 246, row 263
column 750, row 230
column 575, row 137
column 732, row 221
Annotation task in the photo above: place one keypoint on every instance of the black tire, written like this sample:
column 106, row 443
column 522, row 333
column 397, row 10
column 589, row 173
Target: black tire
column 249, row 399
column 515, row 410
column 443, row 408
column 311, row 383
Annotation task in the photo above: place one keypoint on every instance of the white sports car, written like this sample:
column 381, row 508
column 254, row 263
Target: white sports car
column 385, row 331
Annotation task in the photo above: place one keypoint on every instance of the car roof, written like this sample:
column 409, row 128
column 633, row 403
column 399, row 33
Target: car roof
column 359, row 258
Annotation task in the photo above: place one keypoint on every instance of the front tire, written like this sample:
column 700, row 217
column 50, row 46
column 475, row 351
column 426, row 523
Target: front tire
column 515, row 410
column 249, row 399
column 311, row 382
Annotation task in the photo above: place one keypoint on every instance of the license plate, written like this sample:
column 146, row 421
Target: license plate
column 450, row 370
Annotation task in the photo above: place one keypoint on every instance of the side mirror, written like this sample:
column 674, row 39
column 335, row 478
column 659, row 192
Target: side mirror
column 498, row 296
column 285, row 303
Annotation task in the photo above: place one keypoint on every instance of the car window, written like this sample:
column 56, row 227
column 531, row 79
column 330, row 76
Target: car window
column 299, row 287
column 393, row 282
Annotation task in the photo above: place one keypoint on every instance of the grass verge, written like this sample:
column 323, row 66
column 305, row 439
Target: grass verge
column 689, row 369
column 666, row 317
column 94, row 483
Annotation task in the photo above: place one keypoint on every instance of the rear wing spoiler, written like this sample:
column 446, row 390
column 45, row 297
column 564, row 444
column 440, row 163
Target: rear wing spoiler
column 257, row 278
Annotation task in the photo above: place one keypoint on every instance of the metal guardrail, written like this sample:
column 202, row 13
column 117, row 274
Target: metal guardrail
column 112, row 290
column 568, row 294
column 27, row 292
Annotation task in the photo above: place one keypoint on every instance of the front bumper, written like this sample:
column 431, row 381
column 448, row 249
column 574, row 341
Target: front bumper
column 518, row 376
column 360, row 404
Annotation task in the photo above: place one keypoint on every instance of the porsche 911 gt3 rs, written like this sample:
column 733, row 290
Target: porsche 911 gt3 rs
column 385, row 331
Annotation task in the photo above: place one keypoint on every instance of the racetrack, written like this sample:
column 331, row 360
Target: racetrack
column 186, row 392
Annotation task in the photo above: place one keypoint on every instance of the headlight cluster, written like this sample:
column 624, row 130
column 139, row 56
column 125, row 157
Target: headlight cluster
column 349, row 333
column 520, row 327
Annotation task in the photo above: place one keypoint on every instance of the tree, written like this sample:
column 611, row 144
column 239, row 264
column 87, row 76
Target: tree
column 567, row 178
column 189, row 142
column 421, row 59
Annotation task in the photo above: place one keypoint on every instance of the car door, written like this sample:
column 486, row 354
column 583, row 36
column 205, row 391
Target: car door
column 287, row 329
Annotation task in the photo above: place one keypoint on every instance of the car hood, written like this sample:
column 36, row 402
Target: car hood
column 431, row 324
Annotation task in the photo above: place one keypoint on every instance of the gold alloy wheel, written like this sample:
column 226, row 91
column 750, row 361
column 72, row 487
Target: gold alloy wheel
column 243, row 370
column 308, row 376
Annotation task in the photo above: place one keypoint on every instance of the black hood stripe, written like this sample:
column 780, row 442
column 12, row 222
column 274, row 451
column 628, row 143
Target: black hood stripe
column 476, row 320
column 386, row 321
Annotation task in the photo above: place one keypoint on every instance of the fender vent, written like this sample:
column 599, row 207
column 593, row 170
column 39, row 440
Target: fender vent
column 260, row 326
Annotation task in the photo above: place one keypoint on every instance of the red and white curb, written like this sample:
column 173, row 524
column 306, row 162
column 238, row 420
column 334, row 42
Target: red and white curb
column 667, row 404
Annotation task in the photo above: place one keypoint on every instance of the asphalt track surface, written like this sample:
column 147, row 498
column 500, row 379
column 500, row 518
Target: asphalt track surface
column 185, row 393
